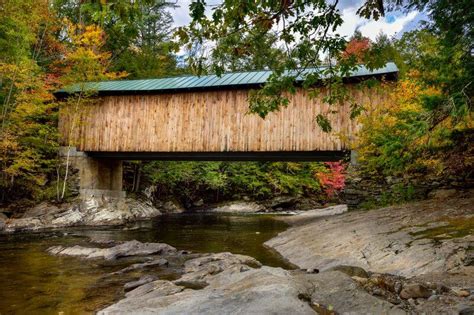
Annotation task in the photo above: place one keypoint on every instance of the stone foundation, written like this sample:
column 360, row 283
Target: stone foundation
column 92, row 177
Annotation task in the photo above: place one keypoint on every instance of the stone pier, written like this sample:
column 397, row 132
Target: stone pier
column 96, row 176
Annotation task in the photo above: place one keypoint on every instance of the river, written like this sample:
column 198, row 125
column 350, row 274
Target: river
column 34, row 282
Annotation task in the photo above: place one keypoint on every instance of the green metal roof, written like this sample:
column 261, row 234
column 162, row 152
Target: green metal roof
column 209, row 82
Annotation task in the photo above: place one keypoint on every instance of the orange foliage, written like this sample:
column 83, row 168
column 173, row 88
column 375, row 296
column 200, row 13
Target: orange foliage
column 356, row 48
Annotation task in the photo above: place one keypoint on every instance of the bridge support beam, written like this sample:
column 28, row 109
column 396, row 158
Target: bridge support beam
column 97, row 177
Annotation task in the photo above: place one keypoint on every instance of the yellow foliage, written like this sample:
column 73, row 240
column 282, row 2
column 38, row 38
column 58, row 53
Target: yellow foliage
column 395, row 132
column 86, row 58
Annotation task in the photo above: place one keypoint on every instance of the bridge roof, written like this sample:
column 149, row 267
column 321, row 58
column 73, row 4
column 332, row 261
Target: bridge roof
column 210, row 82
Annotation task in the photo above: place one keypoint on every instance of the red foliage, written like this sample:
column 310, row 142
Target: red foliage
column 357, row 48
column 333, row 180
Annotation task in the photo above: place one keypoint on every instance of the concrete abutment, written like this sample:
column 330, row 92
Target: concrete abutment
column 98, row 177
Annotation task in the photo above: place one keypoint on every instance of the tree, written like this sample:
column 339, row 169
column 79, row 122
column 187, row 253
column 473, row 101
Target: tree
column 261, row 56
column 214, row 181
column 308, row 30
column 357, row 47
column 28, row 134
column 137, row 33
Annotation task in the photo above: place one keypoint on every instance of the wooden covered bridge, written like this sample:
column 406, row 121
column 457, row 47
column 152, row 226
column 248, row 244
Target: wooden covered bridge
column 202, row 118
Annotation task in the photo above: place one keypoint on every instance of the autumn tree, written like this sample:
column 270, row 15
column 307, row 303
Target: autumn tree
column 85, row 63
column 357, row 48
column 28, row 134
column 137, row 33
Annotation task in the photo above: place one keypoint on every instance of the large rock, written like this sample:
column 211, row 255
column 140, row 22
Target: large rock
column 131, row 248
column 239, row 207
column 397, row 240
column 235, row 287
column 92, row 211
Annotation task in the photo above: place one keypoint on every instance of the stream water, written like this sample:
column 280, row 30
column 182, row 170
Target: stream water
column 34, row 282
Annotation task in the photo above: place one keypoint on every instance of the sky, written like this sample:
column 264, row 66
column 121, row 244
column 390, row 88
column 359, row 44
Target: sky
column 393, row 24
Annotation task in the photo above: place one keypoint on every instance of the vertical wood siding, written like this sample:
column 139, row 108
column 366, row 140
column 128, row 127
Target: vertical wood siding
column 213, row 121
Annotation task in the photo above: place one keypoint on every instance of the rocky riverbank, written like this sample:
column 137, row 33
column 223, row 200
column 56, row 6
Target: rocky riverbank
column 92, row 211
column 108, row 211
column 225, row 283
column 412, row 258
column 416, row 258
column 430, row 244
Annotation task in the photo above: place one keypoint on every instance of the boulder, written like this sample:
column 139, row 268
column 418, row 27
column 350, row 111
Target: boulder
column 131, row 248
column 264, row 290
column 92, row 211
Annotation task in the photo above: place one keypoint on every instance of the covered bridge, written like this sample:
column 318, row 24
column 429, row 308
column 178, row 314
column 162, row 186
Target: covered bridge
column 204, row 118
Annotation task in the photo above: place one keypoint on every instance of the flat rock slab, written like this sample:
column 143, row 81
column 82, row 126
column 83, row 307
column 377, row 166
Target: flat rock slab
column 382, row 240
column 238, row 288
column 131, row 248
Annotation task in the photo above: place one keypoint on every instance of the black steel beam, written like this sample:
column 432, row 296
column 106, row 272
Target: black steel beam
column 319, row 156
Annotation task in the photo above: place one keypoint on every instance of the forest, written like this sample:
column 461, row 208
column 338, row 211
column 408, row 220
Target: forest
column 422, row 129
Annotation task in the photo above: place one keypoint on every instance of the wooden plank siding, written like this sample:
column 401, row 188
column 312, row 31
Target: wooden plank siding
column 208, row 121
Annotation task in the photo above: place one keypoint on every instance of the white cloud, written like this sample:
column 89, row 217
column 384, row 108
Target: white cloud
column 373, row 28
column 394, row 23
column 351, row 22
column 181, row 14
